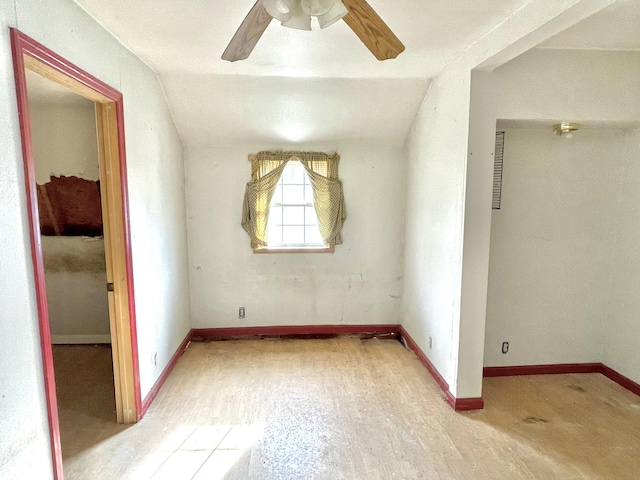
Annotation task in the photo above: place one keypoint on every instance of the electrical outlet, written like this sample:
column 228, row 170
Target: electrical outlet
column 241, row 313
column 430, row 343
column 505, row 347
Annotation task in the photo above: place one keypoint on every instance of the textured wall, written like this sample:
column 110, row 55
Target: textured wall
column 552, row 246
column 24, row 431
column 621, row 330
column 65, row 143
column 358, row 284
column 540, row 87
column 76, row 280
column 156, row 195
column 437, row 152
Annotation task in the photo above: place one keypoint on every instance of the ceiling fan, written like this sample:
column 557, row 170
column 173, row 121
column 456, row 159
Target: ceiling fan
column 358, row 14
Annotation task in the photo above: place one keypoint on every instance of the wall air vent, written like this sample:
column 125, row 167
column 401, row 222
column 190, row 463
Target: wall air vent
column 497, row 171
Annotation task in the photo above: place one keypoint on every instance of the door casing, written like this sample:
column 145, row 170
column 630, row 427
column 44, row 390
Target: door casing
column 31, row 55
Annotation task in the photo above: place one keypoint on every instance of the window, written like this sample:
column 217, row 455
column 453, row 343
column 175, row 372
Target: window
column 293, row 222
column 293, row 203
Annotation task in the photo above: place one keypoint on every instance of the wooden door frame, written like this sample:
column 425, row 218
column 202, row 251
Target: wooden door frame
column 31, row 55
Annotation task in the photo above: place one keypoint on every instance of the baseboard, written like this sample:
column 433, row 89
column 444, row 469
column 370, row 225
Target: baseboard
column 146, row 403
column 293, row 331
column 252, row 332
column 563, row 368
column 551, row 369
column 80, row 339
column 424, row 360
column 620, row 379
column 458, row 404
column 463, row 404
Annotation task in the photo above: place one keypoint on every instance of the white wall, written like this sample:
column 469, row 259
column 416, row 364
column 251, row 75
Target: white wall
column 76, row 278
column 436, row 151
column 550, row 270
column 156, row 195
column 24, row 431
column 621, row 329
column 65, row 142
column 601, row 88
column 446, row 260
column 158, row 219
column 557, row 84
column 360, row 283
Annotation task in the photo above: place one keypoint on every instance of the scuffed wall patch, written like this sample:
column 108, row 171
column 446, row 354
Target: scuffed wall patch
column 77, row 254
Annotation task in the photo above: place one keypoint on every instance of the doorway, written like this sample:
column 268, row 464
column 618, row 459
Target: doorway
column 30, row 56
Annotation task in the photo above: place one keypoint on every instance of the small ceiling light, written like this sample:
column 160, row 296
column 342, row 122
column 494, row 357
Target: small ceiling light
column 297, row 13
column 566, row 128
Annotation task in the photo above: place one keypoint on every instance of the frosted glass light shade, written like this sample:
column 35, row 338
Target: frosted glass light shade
column 335, row 13
column 299, row 19
column 316, row 7
column 297, row 13
column 278, row 9
column 299, row 22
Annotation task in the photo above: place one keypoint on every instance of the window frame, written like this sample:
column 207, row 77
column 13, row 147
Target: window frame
column 293, row 248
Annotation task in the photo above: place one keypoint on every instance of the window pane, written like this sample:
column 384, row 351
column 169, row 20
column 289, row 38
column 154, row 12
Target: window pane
column 308, row 194
column 313, row 235
column 293, row 215
column 275, row 236
column 277, row 196
column 293, row 235
column 293, row 194
column 293, row 173
column 275, row 216
column 310, row 216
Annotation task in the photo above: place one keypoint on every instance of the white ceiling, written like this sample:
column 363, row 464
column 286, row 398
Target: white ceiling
column 190, row 36
column 615, row 28
column 292, row 110
column 308, row 86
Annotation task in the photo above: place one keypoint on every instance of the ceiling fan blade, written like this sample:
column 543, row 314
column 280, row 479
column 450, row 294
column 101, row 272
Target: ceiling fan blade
column 248, row 34
column 372, row 30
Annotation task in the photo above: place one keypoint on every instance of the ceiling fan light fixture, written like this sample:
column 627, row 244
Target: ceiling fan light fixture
column 316, row 7
column 359, row 17
column 335, row 13
column 278, row 9
column 299, row 19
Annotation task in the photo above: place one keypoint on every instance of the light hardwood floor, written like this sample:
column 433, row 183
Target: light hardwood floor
column 340, row 408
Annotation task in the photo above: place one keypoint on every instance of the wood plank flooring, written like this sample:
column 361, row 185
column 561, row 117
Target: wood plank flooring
column 341, row 408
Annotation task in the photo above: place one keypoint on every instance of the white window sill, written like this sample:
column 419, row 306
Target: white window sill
column 292, row 249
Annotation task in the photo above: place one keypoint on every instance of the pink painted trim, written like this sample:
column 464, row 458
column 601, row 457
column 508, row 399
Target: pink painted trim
column 218, row 333
column 464, row 404
column 551, row 369
column 458, row 404
column 621, row 380
column 427, row 363
column 18, row 49
column 24, row 45
column 163, row 376
column 563, row 368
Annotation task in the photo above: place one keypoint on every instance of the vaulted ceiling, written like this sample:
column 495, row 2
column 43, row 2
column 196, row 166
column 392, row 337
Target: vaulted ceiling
column 323, row 85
